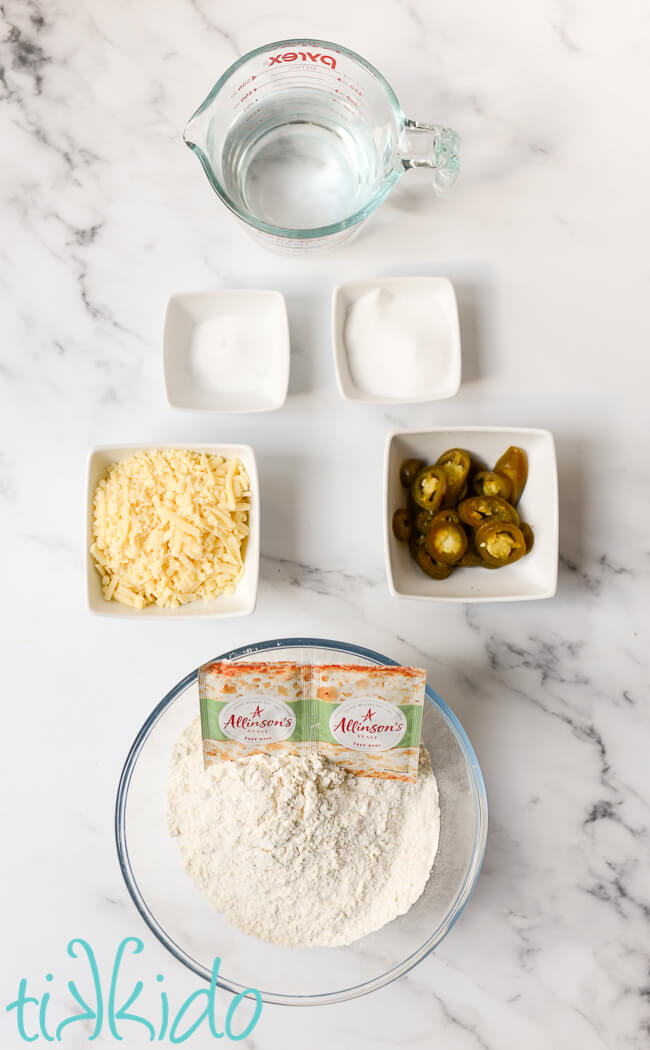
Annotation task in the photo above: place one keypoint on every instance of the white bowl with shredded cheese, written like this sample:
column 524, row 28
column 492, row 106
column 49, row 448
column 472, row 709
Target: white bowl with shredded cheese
column 172, row 530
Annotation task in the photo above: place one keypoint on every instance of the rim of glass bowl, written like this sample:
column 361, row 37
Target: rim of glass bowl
column 374, row 983
column 284, row 231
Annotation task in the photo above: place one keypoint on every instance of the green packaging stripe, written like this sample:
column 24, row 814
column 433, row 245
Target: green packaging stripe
column 312, row 721
column 210, row 710
column 411, row 738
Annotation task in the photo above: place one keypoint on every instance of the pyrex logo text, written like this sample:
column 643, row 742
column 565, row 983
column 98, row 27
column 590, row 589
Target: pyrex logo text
column 304, row 56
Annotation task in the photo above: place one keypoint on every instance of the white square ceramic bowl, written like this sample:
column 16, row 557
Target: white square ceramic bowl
column 241, row 603
column 441, row 295
column 533, row 576
column 263, row 317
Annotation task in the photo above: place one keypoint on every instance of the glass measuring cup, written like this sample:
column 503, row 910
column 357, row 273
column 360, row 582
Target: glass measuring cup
column 303, row 139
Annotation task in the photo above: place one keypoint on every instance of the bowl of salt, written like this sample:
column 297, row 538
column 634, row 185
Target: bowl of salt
column 396, row 340
column 226, row 350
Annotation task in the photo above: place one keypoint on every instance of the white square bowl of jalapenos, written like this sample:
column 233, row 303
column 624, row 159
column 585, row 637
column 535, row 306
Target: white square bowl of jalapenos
column 471, row 514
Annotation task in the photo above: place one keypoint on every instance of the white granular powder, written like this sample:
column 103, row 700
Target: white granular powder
column 398, row 343
column 296, row 850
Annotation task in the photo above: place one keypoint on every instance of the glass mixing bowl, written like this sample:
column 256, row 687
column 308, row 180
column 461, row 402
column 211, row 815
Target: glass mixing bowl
column 183, row 920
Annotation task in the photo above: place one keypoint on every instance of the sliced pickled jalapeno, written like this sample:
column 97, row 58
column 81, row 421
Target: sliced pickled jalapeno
column 499, row 543
column 528, row 534
column 478, row 509
column 422, row 520
column 416, row 542
column 514, row 465
column 471, row 558
column 489, row 483
column 402, row 525
column 446, row 542
column 434, row 569
column 446, row 527
column 445, row 515
column 475, row 466
column 456, row 464
column 429, row 488
column 408, row 471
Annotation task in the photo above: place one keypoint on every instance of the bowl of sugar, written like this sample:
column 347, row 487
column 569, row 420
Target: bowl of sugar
column 396, row 340
column 226, row 350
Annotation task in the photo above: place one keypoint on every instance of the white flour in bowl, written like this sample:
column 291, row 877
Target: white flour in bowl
column 296, row 850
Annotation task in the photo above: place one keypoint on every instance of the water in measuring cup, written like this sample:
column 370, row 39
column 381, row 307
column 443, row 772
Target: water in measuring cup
column 300, row 166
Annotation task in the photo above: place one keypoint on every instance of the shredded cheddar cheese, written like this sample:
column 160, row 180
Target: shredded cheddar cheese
column 170, row 527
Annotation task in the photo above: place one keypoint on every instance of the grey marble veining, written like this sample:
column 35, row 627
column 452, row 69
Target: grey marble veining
column 104, row 214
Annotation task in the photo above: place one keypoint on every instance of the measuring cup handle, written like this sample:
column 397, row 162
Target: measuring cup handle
column 431, row 146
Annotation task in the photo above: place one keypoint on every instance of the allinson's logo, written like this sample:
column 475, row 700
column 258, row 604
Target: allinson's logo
column 377, row 726
column 256, row 720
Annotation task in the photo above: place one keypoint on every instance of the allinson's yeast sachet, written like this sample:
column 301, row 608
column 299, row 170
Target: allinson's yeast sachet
column 367, row 719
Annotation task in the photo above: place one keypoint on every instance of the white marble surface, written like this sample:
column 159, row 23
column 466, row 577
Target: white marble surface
column 104, row 214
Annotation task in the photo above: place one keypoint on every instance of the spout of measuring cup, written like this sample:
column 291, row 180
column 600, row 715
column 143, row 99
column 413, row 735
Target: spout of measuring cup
column 431, row 146
column 196, row 135
column 195, row 131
